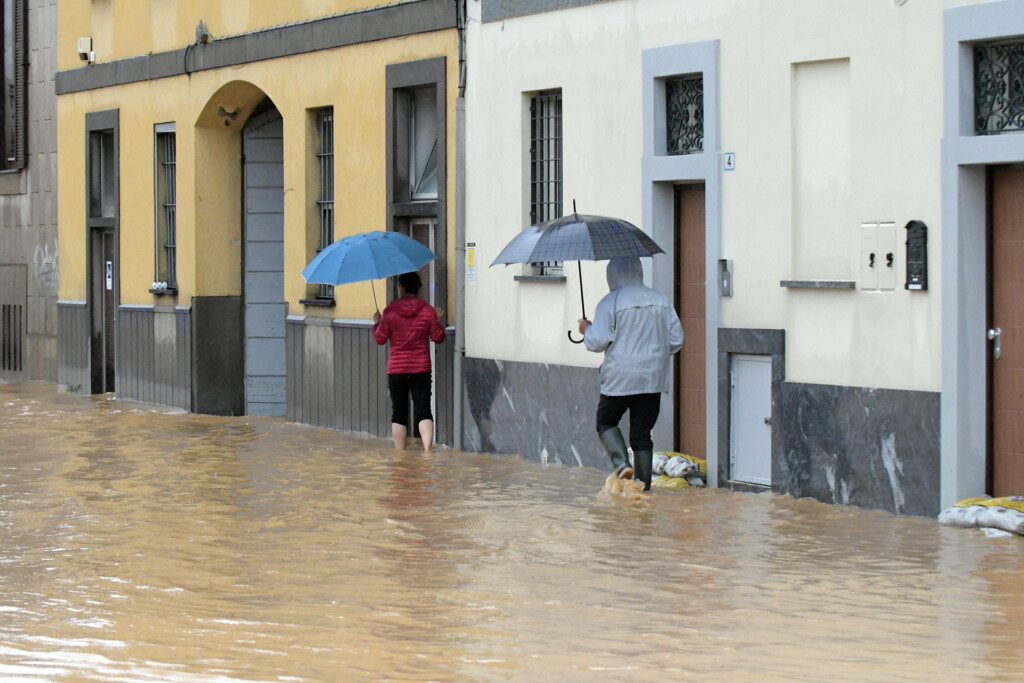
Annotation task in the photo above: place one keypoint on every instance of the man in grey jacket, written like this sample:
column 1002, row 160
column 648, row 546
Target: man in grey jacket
column 638, row 331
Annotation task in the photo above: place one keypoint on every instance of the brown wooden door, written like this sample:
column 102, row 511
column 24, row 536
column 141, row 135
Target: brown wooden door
column 1006, row 313
column 690, row 276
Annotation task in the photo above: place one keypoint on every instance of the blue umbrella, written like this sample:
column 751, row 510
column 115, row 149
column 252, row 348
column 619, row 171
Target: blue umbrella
column 367, row 256
column 578, row 237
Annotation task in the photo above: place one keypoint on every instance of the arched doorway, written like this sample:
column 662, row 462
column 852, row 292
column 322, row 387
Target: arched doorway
column 238, row 310
column 263, row 262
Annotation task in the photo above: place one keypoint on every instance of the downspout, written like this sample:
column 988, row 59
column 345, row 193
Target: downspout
column 460, row 224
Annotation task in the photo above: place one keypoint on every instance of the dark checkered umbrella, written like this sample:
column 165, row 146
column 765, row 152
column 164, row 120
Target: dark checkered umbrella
column 578, row 237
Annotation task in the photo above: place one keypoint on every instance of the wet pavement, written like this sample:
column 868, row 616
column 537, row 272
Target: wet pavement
column 144, row 544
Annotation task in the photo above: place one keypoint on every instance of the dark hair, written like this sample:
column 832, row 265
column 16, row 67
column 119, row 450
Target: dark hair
column 410, row 282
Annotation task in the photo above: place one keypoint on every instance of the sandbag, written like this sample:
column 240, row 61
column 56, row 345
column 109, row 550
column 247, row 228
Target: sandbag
column 667, row 482
column 702, row 465
column 1006, row 514
column 658, row 463
column 678, row 466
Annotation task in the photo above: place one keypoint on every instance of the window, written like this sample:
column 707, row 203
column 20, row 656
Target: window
column 423, row 144
column 684, row 99
column 546, row 165
column 12, row 104
column 166, row 209
column 102, row 181
column 325, row 201
column 999, row 87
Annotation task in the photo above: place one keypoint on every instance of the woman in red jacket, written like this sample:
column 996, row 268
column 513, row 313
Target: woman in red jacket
column 409, row 323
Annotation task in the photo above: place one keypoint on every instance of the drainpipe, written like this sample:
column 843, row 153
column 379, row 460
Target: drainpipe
column 460, row 224
column 460, row 260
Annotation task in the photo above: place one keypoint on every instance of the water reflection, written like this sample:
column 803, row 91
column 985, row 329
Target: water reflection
column 142, row 544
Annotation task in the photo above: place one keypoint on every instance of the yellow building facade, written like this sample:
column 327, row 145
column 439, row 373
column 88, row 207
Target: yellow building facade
column 208, row 151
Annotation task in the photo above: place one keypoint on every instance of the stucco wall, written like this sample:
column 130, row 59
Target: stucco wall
column 122, row 30
column 593, row 52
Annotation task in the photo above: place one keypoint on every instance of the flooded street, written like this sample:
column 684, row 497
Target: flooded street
column 142, row 544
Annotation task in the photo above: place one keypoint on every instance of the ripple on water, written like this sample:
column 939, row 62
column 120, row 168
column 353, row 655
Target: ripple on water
column 150, row 544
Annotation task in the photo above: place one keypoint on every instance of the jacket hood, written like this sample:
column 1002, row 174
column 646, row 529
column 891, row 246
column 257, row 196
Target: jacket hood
column 408, row 306
column 624, row 271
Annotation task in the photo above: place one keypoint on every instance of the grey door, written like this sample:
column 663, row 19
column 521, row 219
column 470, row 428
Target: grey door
column 265, row 307
column 751, row 420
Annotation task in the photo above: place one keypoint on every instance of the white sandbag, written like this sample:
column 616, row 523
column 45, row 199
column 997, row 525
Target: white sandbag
column 965, row 517
column 1005, row 518
column 658, row 464
column 678, row 466
column 997, row 533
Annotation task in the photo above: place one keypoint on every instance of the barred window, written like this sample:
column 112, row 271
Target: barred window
column 999, row 88
column 325, row 202
column 546, row 164
column 15, row 70
column 684, row 100
column 166, row 208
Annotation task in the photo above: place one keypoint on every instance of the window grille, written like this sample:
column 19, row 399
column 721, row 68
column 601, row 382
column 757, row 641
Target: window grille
column 684, row 99
column 11, row 353
column 13, row 72
column 546, row 164
column 325, row 203
column 166, row 210
column 999, row 88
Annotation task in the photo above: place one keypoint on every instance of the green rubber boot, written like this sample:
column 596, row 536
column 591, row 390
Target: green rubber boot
column 643, row 464
column 616, row 447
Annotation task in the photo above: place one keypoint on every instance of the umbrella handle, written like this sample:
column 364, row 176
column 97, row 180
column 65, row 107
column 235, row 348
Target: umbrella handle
column 579, row 270
column 374, row 296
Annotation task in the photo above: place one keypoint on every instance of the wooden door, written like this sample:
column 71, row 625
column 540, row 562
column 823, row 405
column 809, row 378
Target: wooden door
column 690, row 277
column 1006, row 316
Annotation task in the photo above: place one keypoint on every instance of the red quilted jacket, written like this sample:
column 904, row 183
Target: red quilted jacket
column 408, row 323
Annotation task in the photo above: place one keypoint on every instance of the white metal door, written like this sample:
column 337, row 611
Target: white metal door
column 265, row 308
column 750, row 423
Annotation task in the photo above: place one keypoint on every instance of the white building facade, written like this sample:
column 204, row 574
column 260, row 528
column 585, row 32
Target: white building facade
column 833, row 185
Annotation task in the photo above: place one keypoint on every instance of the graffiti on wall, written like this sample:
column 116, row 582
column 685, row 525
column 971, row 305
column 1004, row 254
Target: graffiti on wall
column 44, row 268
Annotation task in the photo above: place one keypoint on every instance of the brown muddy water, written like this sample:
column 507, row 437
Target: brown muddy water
column 142, row 544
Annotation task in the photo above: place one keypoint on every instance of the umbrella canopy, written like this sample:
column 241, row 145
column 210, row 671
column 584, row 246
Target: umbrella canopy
column 578, row 237
column 367, row 256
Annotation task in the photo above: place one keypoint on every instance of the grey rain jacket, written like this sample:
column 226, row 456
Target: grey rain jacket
column 638, row 330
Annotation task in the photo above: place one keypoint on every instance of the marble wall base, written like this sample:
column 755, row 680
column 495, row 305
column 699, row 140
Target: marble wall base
column 546, row 413
column 873, row 448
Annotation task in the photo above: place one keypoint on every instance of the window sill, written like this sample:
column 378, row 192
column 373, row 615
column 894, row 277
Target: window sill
column 818, row 284
column 540, row 278
column 170, row 291
column 324, row 303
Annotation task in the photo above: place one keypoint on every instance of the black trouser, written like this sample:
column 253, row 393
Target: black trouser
column 400, row 386
column 643, row 413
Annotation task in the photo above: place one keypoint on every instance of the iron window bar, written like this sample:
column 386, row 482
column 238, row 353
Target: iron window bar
column 166, row 182
column 325, row 202
column 171, row 209
column 11, row 350
column 999, row 87
column 546, row 165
